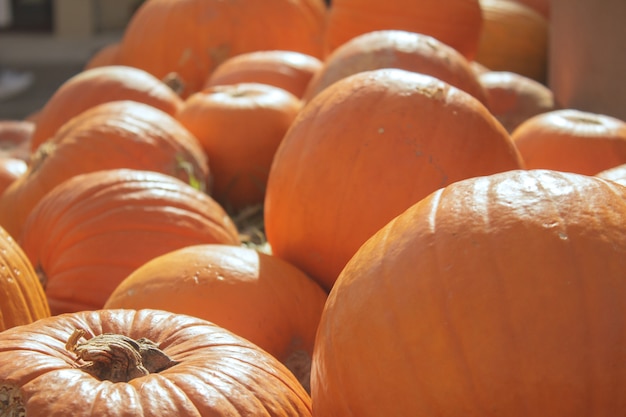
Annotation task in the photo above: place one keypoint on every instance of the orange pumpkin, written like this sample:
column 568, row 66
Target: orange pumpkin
column 22, row 298
column 141, row 363
column 456, row 23
column 100, row 85
column 365, row 149
column 10, row 170
column 240, row 127
column 15, row 138
column 288, row 70
column 397, row 49
column 100, row 226
column 514, row 38
column 514, row 98
column 616, row 173
column 193, row 37
column 572, row 140
column 540, row 6
column 106, row 55
column 116, row 134
column 500, row 295
column 253, row 294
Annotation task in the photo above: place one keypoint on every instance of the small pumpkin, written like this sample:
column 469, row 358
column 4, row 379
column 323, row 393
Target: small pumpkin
column 497, row 295
column 253, row 294
column 397, row 49
column 23, row 300
column 239, row 127
column 288, row 70
column 572, row 140
column 140, row 363
column 115, row 134
column 102, row 225
column 365, row 149
column 99, row 85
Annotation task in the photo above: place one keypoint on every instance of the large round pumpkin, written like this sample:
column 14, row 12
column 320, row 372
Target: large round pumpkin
column 500, row 295
column 115, row 134
column 192, row 37
column 457, row 23
column 91, row 231
column 365, row 149
column 100, row 85
column 140, row 363
column 239, row 127
column 23, row 300
column 397, row 49
column 253, row 294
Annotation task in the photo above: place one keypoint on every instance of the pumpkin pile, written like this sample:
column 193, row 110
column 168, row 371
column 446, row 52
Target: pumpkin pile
column 313, row 208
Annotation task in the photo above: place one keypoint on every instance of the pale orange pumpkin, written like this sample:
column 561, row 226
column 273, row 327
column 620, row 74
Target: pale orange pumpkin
column 499, row 295
column 365, row 149
column 239, row 127
column 397, row 49
column 91, row 231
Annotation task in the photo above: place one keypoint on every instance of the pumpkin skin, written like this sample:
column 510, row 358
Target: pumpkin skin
column 289, row 70
column 193, row 37
column 365, row 149
column 239, row 127
column 217, row 374
column 10, row 170
column 514, row 38
column 514, row 98
column 457, row 23
column 253, row 294
column 397, row 49
column 22, row 300
column 130, row 134
column 101, row 85
column 617, row 174
column 572, row 140
column 101, row 226
column 15, row 137
column 492, row 296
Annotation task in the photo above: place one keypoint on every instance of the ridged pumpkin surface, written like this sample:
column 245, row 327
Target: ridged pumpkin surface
column 365, row 149
column 116, row 134
column 215, row 373
column 99, row 85
column 90, row 232
column 494, row 296
column 457, row 23
column 22, row 299
column 192, row 37
column 253, row 294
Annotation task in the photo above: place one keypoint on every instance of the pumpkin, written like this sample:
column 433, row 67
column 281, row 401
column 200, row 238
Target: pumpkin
column 514, row 98
column 572, row 140
column 239, row 127
column 616, row 173
column 106, row 55
column 15, row 137
column 397, row 49
column 498, row 295
column 140, row 363
column 100, row 85
column 253, row 294
column 289, row 70
column 193, row 37
column 100, row 226
column 10, row 170
column 540, row 6
column 456, row 23
column 22, row 298
column 365, row 149
column 514, row 38
column 116, row 134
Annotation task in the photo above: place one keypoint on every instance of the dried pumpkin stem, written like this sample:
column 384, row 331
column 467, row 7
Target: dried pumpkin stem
column 117, row 358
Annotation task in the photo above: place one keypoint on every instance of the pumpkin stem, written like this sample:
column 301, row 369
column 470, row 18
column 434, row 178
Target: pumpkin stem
column 174, row 81
column 117, row 358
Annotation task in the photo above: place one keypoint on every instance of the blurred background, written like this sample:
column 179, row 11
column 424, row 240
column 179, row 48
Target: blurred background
column 52, row 40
